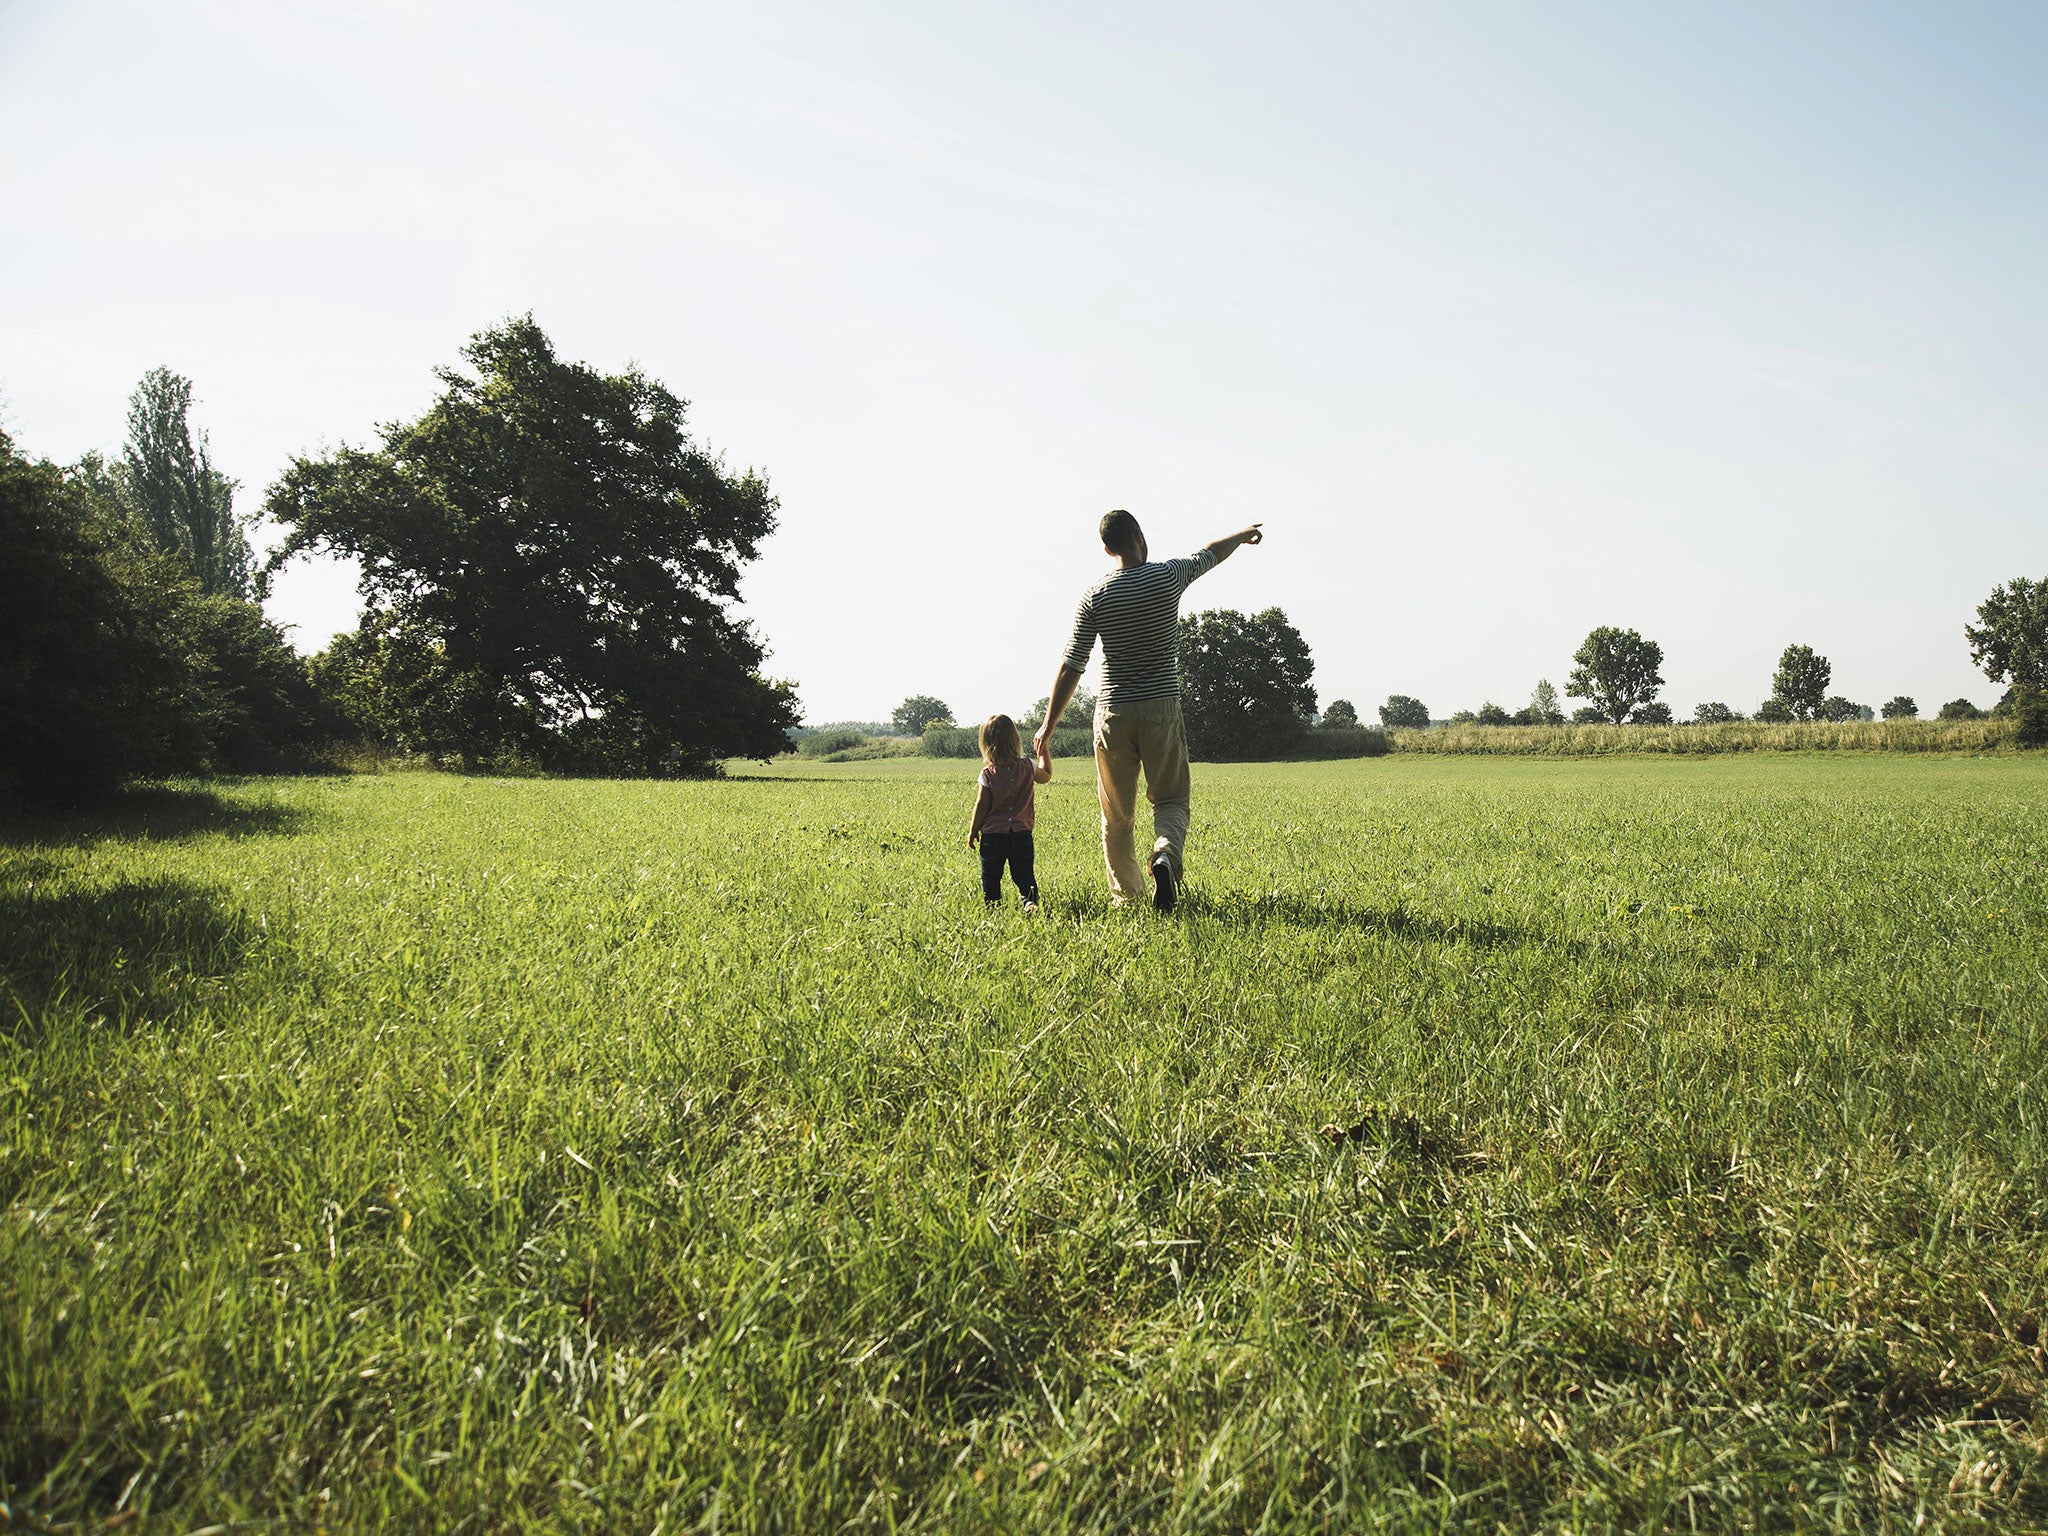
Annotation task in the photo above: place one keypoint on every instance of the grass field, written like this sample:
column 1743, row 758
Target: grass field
column 452, row 1154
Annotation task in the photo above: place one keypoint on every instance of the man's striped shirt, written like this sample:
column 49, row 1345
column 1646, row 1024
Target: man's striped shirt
column 1136, row 613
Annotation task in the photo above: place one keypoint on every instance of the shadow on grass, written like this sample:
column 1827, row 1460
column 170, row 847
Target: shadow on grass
column 1288, row 909
column 154, row 813
column 135, row 952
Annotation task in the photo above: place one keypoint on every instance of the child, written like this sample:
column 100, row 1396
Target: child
column 1005, row 809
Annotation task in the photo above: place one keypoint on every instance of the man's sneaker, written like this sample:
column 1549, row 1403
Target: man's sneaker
column 1163, row 892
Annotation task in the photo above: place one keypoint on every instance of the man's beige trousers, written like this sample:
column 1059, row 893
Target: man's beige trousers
column 1128, row 737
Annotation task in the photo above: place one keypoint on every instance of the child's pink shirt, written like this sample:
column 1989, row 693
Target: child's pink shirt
column 1012, row 797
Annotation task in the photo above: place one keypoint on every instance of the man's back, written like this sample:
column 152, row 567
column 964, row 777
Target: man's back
column 1136, row 612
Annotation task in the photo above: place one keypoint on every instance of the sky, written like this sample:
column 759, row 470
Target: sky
column 1723, row 322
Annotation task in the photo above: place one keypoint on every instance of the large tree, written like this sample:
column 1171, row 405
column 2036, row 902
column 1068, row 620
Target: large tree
column 1801, row 681
column 1616, row 672
column 550, row 566
column 1245, row 690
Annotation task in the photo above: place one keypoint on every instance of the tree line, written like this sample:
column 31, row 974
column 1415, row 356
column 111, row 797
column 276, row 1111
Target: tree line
column 1247, row 691
column 550, row 571
column 1619, row 674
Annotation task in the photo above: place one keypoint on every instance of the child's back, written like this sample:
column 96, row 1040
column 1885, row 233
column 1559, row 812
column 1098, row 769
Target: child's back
column 1005, row 808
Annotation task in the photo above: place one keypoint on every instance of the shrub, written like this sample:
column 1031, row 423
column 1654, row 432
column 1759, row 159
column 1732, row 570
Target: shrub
column 824, row 743
column 2030, row 715
column 1343, row 742
column 873, row 748
column 962, row 742
column 114, row 665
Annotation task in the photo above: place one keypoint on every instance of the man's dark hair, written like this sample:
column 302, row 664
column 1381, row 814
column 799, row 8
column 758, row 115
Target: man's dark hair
column 1119, row 530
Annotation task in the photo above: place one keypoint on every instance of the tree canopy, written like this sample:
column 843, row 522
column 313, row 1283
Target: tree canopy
column 919, row 711
column 1341, row 715
column 1901, row 706
column 1616, row 672
column 1079, row 715
column 1245, row 690
column 549, row 567
column 117, row 663
column 2009, row 641
column 1801, row 681
column 1400, row 710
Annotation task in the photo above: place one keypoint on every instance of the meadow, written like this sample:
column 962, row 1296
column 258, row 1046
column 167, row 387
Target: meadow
column 1487, row 1144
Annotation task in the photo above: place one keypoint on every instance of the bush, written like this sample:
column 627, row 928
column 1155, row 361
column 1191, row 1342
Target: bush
column 1693, row 738
column 961, row 742
column 1342, row 742
column 113, row 664
column 872, row 749
column 2029, row 715
column 824, row 743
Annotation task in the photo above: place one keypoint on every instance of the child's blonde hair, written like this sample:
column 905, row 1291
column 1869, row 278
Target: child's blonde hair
column 1000, row 743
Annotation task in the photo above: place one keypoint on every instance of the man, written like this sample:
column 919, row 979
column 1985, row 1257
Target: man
column 1135, row 611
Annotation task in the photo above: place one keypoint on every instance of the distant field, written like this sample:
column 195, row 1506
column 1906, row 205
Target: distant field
column 451, row 1153
column 1991, row 734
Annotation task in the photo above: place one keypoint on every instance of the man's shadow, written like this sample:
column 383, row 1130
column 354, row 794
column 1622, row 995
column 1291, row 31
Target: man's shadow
column 1332, row 913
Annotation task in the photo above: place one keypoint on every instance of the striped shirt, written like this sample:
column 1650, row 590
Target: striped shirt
column 1136, row 612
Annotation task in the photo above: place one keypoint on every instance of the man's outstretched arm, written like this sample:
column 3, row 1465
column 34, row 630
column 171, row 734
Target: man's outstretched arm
column 1063, row 688
column 1221, row 548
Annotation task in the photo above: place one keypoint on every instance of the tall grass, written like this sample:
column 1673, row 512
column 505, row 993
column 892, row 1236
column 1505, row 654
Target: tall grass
column 1987, row 735
column 1484, row 1146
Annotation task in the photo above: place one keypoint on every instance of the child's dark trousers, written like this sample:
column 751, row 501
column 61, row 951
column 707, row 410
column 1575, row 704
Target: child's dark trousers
column 1015, row 849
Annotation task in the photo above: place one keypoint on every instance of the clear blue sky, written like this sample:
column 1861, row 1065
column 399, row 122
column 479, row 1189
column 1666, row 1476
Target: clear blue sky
column 1728, row 322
